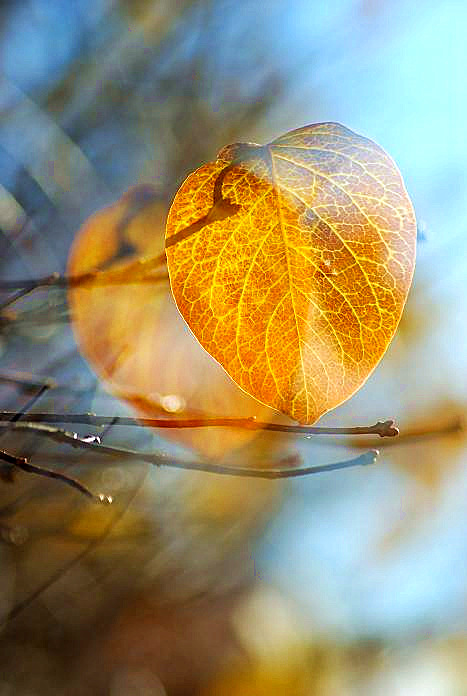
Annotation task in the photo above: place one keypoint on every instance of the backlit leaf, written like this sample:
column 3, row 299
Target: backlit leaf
column 291, row 263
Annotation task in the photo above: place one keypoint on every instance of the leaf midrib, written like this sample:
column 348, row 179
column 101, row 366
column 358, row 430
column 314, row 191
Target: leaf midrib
column 281, row 226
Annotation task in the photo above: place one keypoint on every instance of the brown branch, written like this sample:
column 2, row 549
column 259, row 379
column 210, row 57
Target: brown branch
column 11, row 459
column 57, row 434
column 6, row 469
column 14, row 298
column 382, row 428
column 15, row 416
column 161, row 459
column 28, row 381
column 282, row 470
column 143, row 269
column 414, row 435
column 13, row 419
column 23, row 464
column 11, row 507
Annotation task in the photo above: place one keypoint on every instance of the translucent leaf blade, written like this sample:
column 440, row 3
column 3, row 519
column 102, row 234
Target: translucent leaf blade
column 291, row 263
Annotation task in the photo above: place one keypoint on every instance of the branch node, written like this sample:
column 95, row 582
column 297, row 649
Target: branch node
column 387, row 428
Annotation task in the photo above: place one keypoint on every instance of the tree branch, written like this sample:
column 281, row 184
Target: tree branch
column 382, row 428
column 23, row 464
column 142, row 268
column 28, row 381
column 451, row 427
column 17, row 296
column 161, row 459
column 15, row 416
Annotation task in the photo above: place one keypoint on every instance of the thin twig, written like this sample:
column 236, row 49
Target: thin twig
column 57, row 434
column 161, row 459
column 42, row 316
column 6, row 473
column 12, row 506
column 27, row 381
column 17, row 296
column 23, row 464
column 382, row 428
column 11, row 458
column 18, row 415
column 414, row 435
column 121, row 276
column 15, row 422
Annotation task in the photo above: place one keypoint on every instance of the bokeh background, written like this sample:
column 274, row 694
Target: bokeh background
column 352, row 582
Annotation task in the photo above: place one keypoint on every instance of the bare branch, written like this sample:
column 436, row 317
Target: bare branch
column 382, row 428
column 414, row 435
column 162, row 459
column 139, row 271
column 11, row 459
column 15, row 416
column 17, row 296
column 23, row 464
column 28, row 381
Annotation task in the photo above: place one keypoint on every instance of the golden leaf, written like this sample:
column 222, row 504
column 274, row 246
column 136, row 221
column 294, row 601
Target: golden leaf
column 291, row 263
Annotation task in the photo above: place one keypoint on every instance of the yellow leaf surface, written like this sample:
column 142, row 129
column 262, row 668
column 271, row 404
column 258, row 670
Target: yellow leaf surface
column 291, row 263
column 133, row 336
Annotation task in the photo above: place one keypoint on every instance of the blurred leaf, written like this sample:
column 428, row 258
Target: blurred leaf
column 133, row 335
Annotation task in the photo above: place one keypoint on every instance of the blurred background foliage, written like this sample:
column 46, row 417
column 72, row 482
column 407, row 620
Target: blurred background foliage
column 345, row 583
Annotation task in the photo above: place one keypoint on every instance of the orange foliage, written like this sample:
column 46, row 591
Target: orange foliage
column 291, row 264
